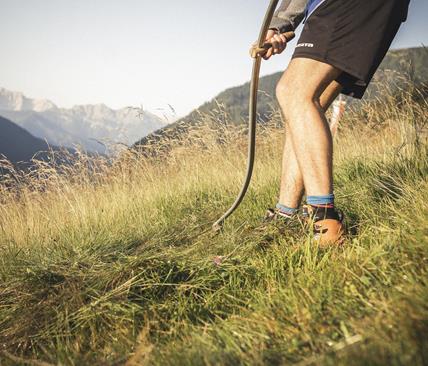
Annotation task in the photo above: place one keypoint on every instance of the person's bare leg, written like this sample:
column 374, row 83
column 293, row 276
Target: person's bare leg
column 299, row 94
column 330, row 94
column 292, row 188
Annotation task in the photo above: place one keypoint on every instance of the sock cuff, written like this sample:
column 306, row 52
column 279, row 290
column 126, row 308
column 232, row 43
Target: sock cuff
column 320, row 200
column 286, row 210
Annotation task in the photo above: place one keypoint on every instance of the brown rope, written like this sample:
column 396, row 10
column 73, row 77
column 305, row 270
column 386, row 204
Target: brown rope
column 259, row 49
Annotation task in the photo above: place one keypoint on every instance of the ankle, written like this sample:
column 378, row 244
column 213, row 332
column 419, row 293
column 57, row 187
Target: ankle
column 322, row 201
column 285, row 210
column 321, row 207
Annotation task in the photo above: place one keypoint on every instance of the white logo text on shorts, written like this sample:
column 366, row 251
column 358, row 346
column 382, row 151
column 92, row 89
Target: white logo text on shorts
column 310, row 45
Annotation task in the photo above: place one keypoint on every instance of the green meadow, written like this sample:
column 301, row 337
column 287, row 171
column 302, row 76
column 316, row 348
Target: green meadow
column 112, row 263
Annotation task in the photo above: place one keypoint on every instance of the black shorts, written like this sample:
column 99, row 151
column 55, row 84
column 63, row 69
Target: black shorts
column 353, row 36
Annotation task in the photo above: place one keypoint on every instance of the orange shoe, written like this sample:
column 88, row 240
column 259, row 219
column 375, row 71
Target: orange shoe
column 327, row 225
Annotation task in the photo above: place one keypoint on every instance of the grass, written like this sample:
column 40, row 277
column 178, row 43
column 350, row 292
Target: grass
column 111, row 263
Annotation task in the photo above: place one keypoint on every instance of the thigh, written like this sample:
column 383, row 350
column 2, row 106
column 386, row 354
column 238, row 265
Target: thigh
column 307, row 78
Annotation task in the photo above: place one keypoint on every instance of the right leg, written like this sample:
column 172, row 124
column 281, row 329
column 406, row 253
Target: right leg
column 292, row 189
column 299, row 94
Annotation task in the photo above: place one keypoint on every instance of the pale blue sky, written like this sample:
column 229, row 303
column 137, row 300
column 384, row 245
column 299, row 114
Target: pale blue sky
column 132, row 52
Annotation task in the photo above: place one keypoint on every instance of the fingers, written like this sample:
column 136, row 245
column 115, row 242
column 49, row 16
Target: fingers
column 270, row 34
column 283, row 39
column 268, row 54
column 279, row 43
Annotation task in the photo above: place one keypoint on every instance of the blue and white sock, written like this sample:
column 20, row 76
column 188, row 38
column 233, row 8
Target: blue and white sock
column 285, row 210
column 326, row 201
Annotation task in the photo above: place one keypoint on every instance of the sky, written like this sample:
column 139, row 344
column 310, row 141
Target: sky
column 141, row 52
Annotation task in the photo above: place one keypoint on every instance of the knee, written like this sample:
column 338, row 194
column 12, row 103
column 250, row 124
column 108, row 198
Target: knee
column 283, row 93
column 285, row 99
column 294, row 99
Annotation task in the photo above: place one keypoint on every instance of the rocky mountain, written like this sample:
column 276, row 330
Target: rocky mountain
column 15, row 101
column 90, row 126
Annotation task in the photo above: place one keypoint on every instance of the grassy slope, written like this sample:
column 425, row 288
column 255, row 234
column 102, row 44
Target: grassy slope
column 117, row 266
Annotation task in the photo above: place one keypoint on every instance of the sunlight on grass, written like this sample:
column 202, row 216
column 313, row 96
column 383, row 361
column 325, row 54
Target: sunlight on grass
column 108, row 262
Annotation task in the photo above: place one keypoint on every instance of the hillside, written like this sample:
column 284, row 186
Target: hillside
column 86, row 125
column 412, row 62
column 19, row 146
column 121, row 267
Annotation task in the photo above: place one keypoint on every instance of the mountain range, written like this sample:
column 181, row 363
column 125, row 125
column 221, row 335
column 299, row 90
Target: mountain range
column 40, row 123
column 90, row 126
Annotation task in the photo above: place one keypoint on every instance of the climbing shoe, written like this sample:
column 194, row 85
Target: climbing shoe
column 327, row 224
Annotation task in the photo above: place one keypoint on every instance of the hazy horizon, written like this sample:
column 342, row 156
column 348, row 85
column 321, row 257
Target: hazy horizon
column 140, row 52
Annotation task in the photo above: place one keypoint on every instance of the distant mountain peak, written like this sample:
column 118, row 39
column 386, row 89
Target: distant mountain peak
column 98, row 106
column 17, row 101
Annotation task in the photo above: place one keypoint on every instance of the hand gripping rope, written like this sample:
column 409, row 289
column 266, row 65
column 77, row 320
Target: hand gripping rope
column 256, row 52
